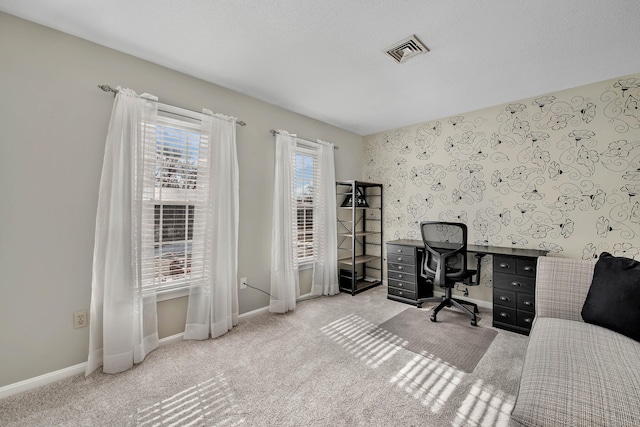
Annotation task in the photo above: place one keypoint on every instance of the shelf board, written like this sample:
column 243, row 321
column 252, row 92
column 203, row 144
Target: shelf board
column 360, row 259
column 362, row 285
column 360, row 208
column 360, row 233
column 349, row 193
column 359, row 183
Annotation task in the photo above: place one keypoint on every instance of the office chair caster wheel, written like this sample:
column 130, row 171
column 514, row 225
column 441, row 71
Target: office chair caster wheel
column 476, row 311
column 474, row 323
column 433, row 317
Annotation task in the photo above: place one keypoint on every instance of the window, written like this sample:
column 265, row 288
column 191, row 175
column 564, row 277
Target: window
column 173, row 200
column 305, row 177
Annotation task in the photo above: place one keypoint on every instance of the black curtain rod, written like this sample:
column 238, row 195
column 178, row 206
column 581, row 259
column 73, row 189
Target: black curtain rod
column 274, row 132
column 108, row 88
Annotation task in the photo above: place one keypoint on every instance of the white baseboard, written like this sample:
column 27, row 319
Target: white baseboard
column 63, row 373
column 171, row 339
column 60, row 374
column 41, row 380
column 253, row 313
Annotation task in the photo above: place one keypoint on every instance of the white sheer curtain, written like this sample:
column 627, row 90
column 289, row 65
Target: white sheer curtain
column 325, row 266
column 213, row 301
column 285, row 288
column 123, row 321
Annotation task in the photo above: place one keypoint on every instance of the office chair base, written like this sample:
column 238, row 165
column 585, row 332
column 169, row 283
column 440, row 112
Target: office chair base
column 451, row 302
column 429, row 299
column 461, row 301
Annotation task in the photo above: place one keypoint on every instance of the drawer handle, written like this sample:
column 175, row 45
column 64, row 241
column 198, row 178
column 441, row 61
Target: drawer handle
column 516, row 284
column 399, row 285
column 399, row 293
column 400, row 276
column 399, row 267
column 528, row 268
column 399, row 251
column 528, row 320
column 399, row 259
column 505, row 315
column 504, row 265
column 503, row 298
column 529, row 303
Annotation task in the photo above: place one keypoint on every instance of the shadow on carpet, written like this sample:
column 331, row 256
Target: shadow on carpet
column 451, row 339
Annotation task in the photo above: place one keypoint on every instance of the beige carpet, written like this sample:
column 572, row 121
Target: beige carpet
column 316, row 366
column 452, row 339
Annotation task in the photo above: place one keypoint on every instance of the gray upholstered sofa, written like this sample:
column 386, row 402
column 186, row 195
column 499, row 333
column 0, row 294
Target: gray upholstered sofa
column 575, row 373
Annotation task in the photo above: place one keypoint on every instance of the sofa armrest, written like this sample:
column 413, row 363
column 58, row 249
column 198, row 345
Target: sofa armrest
column 561, row 287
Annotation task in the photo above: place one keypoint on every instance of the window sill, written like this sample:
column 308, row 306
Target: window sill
column 170, row 294
column 307, row 265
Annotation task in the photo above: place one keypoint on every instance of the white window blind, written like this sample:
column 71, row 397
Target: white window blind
column 305, row 180
column 172, row 229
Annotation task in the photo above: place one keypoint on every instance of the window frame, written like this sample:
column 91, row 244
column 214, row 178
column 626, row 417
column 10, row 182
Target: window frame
column 164, row 286
column 306, row 260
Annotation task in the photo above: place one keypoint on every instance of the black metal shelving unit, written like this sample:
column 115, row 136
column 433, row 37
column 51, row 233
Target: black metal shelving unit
column 359, row 207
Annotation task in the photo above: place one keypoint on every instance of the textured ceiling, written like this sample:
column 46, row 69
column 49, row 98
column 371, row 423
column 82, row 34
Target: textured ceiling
column 324, row 58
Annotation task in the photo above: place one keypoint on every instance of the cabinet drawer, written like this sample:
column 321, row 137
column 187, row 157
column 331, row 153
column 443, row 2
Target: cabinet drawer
column 400, row 267
column 526, row 302
column 516, row 283
column 504, row 314
column 399, row 250
column 526, row 266
column 401, row 259
column 402, row 285
column 402, row 293
column 525, row 319
column 504, row 298
column 400, row 275
column 504, row 264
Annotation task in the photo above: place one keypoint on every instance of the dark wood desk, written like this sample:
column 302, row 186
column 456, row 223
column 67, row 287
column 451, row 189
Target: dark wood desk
column 514, row 273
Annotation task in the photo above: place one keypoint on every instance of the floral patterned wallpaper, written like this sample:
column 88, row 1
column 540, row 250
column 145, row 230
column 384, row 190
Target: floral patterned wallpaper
column 559, row 172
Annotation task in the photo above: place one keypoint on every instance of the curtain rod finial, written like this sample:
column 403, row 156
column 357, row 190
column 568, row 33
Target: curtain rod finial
column 108, row 88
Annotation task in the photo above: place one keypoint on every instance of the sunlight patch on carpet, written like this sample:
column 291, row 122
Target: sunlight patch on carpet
column 211, row 402
column 485, row 405
column 354, row 334
column 429, row 380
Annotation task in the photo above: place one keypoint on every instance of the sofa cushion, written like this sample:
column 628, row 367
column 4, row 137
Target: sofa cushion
column 562, row 285
column 613, row 300
column 578, row 374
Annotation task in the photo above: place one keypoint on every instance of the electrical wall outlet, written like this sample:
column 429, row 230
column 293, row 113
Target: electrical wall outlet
column 243, row 283
column 80, row 319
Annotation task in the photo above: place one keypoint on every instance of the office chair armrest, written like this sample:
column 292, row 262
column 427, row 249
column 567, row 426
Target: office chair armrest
column 479, row 266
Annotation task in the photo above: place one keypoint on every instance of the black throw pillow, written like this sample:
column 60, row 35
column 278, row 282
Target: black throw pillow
column 613, row 301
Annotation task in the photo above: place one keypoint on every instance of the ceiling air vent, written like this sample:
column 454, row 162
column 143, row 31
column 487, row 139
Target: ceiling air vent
column 405, row 49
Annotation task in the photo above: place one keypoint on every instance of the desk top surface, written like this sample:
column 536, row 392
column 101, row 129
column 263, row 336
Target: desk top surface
column 481, row 249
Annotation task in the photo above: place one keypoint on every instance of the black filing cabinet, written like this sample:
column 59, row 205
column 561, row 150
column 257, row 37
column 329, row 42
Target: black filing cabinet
column 514, row 285
column 405, row 284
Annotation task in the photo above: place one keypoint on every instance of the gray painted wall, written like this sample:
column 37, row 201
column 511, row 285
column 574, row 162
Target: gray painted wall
column 53, row 123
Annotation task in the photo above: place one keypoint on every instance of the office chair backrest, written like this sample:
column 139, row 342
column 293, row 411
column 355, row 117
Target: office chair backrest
column 446, row 251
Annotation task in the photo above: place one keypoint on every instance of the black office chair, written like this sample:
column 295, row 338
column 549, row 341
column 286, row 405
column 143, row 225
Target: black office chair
column 445, row 264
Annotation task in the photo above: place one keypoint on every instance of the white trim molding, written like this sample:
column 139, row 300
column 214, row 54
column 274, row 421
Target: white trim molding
column 60, row 374
column 41, row 380
column 250, row 314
